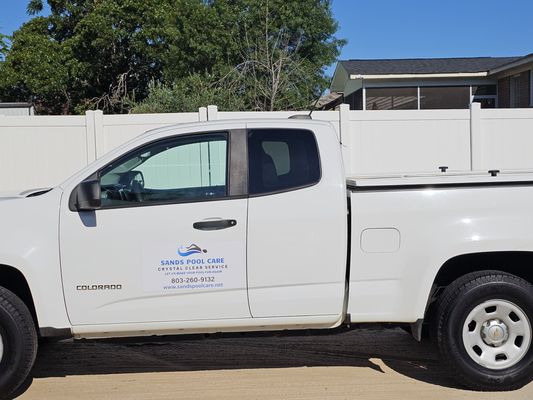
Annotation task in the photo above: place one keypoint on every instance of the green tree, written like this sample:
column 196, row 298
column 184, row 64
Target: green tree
column 39, row 69
column 247, row 54
column 282, row 55
column 98, row 53
column 270, row 54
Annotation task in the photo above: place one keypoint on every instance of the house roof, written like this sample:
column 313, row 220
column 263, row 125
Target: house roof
column 517, row 63
column 425, row 65
column 328, row 101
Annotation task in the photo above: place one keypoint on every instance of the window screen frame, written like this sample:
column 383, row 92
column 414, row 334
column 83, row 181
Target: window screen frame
column 514, row 91
column 531, row 87
column 234, row 168
column 292, row 188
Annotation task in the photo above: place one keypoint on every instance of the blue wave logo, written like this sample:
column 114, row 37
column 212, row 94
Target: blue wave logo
column 192, row 249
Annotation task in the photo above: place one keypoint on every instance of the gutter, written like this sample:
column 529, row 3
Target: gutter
column 418, row 76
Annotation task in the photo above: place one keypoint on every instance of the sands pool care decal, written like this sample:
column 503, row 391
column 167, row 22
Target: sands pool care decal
column 193, row 266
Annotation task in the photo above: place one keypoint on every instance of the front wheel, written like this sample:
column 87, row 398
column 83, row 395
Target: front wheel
column 484, row 330
column 18, row 342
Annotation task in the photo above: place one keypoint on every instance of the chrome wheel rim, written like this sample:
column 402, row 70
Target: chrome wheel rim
column 1, row 347
column 497, row 334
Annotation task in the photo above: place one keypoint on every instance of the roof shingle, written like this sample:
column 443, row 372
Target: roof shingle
column 424, row 65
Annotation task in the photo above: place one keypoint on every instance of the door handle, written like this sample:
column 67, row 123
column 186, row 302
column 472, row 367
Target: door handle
column 214, row 225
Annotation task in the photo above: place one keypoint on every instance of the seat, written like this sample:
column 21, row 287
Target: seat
column 132, row 183
column 263, row 173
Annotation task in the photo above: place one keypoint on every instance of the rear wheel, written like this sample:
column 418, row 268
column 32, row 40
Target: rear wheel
column 18, row 342
column 484, row 330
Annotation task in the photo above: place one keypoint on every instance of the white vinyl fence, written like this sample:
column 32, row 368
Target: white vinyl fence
column 41, row 151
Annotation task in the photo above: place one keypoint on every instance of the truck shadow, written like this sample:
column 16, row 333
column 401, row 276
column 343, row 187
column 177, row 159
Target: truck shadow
column 346, row 348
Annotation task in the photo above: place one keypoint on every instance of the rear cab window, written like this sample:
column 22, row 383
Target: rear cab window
column 281, row 160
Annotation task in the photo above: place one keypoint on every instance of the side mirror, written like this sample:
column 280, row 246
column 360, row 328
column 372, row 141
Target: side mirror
column 87, row 196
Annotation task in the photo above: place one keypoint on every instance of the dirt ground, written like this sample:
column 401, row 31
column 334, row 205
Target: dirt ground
column 357, row 364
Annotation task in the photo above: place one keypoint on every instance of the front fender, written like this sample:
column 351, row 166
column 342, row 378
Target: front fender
column 29, row 242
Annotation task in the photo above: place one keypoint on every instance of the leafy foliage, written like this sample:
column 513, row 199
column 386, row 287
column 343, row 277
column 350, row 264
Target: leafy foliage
column 187, row 95
column 170, row 55
column 47, row 69
column 4, row 46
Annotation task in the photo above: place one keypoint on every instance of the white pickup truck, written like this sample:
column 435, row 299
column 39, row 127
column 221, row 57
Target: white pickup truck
column 252, row 225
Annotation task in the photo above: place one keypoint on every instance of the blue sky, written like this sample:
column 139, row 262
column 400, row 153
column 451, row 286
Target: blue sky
column 430, row 28
column 406, row 28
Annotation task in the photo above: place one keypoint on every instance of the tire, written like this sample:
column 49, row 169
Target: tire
column 18, row 342
column 484, row 330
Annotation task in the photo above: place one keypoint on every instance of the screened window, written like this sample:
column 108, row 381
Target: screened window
column 355, row 100
column 399, row 98
column 484, row 90
column 281, row 159
column 444, row 97
column 485, row 95
column 486, row 102
column 181, row 169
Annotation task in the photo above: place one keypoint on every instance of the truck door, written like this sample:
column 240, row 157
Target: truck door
column 167, row 244
column 297, row 222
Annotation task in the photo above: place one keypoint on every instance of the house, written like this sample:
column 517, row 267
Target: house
column 515, row 83
column 435, row 83
column 16, row 109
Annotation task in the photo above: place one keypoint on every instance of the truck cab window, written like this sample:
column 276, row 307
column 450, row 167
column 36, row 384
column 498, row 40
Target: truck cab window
column 181, row 169
column 281, row 159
